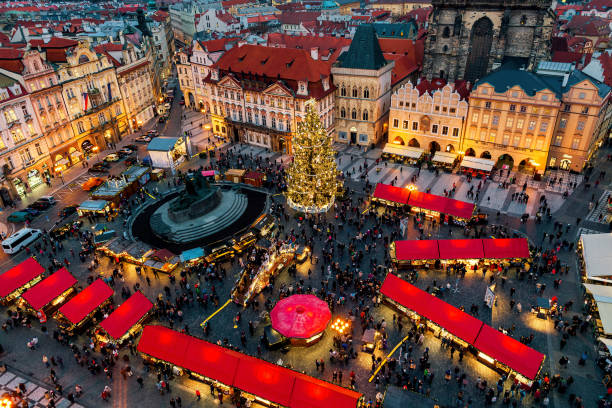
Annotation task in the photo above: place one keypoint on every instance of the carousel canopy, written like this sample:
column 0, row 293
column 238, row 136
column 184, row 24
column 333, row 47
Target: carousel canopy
column 50, row 288
column 19, row 275
column 300, row 316
column 127, row 315
column 86, row 301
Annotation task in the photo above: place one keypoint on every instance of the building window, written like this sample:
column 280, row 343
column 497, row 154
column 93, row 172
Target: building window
column 366, row 93
column 117, row 110
column 475, row 118
column 353, row 114
column 519, row 123
column 365, row 115
column 342, row 113
column 539, row 144
column 495, row 120
column 567, row 108
column 395, row 123
column 512, row 108
column 557, row 141
column 485, row 119
column 453, row 110
column 509, row 122
column 516, row 141
column 363, row 138
column 581, row 95
column 343, row 93
column 585, row 110
column 562, row 123
column 240, row 116
column 444, row 130
column 264, row 120
column 80, row 127
column 273, row 122
column 483, row 136
column 446, row 32
column 487, row 104
column 38, row 149
column 523, row 109
column 543, row 126
column 527, row 142
column 415, row 126
column 455, row 132
column 17, row 135
column 342, row 135
column 288, row 125
column 492, row 137
column 102, row 118
column 506, row 140
column 575, row 144
column 355, row 93
column 532, row 125
column 249, row 117
column 405, row 124
column 544, row 97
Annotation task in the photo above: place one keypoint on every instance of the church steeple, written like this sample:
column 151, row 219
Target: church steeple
column 364, row 51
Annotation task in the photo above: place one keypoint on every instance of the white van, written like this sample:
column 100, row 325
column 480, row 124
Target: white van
column 48, row 199
column 20, row 240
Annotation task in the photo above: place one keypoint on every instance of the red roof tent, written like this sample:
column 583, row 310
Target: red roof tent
column 391, row 193
column 266, row 380
column 450, row 318
column 212, row 361
column 459, row 209
column 416, row 249
column 506, row 248
column 427, row 201
column 127, row 315
column 19, row 275
column 300, row 316
column 461, row 249
column 514, row 354
column 309, row 392
column 50, row 288
column 164, row 344
column 86, row 301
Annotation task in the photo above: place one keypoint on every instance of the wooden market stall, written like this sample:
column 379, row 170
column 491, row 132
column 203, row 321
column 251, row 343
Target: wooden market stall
column 235, row 175
column 477, row 167
column 446, row 160
column 94, row 207
column 596, row 258
column 162, row 260
column 81, row 309
column 18, row 279
column 126, row 320
column 390, row 195
column 254, row 178
column 49, row 294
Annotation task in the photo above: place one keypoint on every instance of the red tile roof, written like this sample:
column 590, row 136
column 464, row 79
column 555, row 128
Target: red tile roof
column 566, row 56
column 589, row 25
column 10, row 59
column 261, row 19
column 229, row 3
column 297, row 17
column 218, row 45
column 227, row 18
column 160, row 16
column 330, row 47
column 54, row 42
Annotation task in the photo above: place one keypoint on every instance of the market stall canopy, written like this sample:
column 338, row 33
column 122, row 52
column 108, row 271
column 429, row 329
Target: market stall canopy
column 405, row 151
column 459, row 209
column 309, row 392
column 235, row 172
column 164, row 344
column 506, row 248
column 607, row 342
column 192, row 254
column 477, row 164
column 453, row 320
column 163, row 255
column 427, row 201
column 597, row 255
column 603, row 297
column 300, row 316
column 391, row 193
column 127, row 315
column 162, row 144
column 461, row 249
column 212, row 361
column 269, row 381
column 416, row 250
column 444, row 157
column 19, row 275
column 601, row 293
column 86, row 301
column 93, row 205
column 510, row 352
column 49, row 288
column 209, row 173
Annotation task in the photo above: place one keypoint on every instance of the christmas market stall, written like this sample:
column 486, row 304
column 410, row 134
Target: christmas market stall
column 49, row 294
column 595, row 258
column 254, row 178
column 121, row 249
column 94, row 207
column 301, row 318
column 84, row 307
column 192, row 256
column 18, row 279
column 445, row 160
column 402, row 154
column 102, row 234
column 510, row 251
column 598, row 303
column 238, row 377
column 414, row 252
column 264, row 224
column 476, row 167
column 162, row 260
column 235, row 175
column 390, row 195
column 461, row 250
column 126, row 320
column 244, row 242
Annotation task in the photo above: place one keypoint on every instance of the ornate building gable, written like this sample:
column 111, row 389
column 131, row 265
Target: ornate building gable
column 229, row 81
column 278, row 89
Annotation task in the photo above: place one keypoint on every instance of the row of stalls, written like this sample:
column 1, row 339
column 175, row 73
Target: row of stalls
column 140, row 254
column 432, row 205
column 119, row 188
column 490, row 346
column 58, row 295
column 420, row 252
column 241, row 377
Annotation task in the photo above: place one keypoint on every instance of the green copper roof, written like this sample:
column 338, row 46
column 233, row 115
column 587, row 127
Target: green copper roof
column 364, row 52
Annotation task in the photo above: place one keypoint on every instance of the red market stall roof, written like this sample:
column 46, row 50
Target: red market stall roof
column 127, row 315
column 459, row 209
column 453, row 320
column 162, row 254
column 506, row 248
column 391, row 193
column 86, row 301
column 258, row 377
column 461, row 249
column 49, row 288
column 427, row 201
column 19, row 275
column 416, row 249
column 512, row 353
column 300, row 316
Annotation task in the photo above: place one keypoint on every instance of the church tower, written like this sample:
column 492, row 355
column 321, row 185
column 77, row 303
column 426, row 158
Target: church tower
column 467, row 39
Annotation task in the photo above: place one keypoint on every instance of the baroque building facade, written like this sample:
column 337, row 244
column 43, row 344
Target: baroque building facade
column 466, row 40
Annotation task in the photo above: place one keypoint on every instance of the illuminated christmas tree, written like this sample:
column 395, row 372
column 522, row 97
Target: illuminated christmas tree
column 312, row 178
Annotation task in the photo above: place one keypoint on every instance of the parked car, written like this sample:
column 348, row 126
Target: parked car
column 20, row 216
column 69, row 210
column 125, row 151
column 152, row 133
column 97, row 168
column 130, row 161
column 143, row 139
column 39, row 205
column 92, row 183
column 48, row 199
column 113, row 157
column 132, row 147
column 33, row 211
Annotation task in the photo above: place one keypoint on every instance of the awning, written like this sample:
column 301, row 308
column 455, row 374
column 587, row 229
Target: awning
column 192, row 254
column 162, row 254
column 208, row 173
column 459, row 209
column 309, row 392
column 477, row 164
column 461, row 249
column 510, row 352
column 607, row 342
column 212, row 361
column 49, row 288
column 19, row 275
column 427, row 201
column 444, row 157
column 416, row 249
column 596, row 254
column 93, row 205
column 453, row 320
column 127, row 315
column 405, row 151
column 62, row 162
column 506, row 248
column 269, row 381
column 86, row 301
column 164, row 344
column 601, row 293
column 391, row 193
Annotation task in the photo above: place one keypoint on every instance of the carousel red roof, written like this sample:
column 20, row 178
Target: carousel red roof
column 388, row 192
column 300, row 316
column 267, row 380
column 506, row 248
column 86, row 301
column 416, row 249
column 48, row 289
column 461, row 249
column 126, row 315
column 453, row 320
column 309, row 392
column 514, row 354
column 19, row 275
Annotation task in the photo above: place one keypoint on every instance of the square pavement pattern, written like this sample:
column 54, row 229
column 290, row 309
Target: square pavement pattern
column 35, row 394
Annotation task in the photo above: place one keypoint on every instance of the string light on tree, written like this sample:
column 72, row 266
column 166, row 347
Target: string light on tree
column 312, row 179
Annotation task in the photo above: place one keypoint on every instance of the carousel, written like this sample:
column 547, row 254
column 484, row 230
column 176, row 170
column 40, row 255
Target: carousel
column 301, row 318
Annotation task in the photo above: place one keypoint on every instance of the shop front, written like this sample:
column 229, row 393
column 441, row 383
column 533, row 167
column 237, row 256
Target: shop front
column 445, row 160
column 402, row 154
column 75, row 155
column 476, row 167
column 61, row 164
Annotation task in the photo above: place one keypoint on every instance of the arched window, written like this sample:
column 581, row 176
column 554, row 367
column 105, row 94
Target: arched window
column 342, row 113
column 366, row 93
column 365, row 115
column 354, row 114
column 523, row 19
column 445, row 48
column 343, row 91
column 446, row 32
column 355, row 94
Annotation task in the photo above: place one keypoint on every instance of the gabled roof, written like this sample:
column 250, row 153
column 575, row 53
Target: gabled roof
column 578, row 76
column 589, row 25
column 10, row 59
column 227, row 18
column 54, row 42
column 160, row 16
column 297, row 17
column 218, row 45
column 600, row 67
column 531, row 83
column 364, row 52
